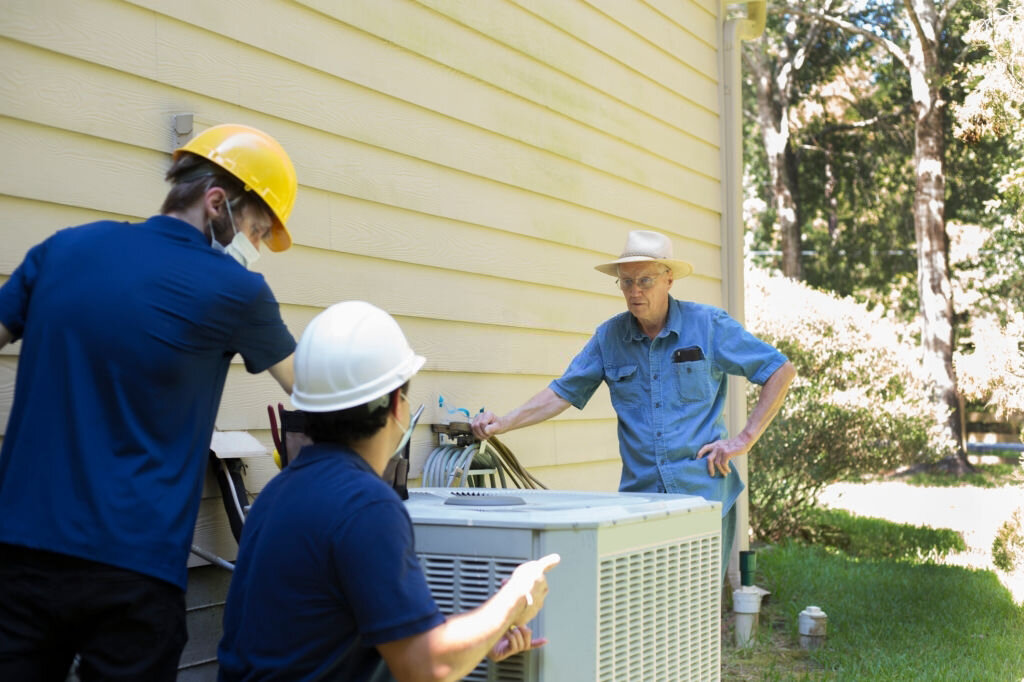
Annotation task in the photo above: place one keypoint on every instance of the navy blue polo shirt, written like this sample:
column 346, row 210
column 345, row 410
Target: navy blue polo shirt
column 127, row 332
column 326, row 571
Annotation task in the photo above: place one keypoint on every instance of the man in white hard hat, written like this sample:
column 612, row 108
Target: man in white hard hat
column 327, row 584
column 127, row 333
column 666, row 363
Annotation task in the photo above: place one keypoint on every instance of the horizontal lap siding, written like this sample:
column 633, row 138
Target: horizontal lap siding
column 462, row 164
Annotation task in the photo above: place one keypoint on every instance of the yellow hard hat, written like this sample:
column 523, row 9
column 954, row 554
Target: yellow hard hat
column 257, row 160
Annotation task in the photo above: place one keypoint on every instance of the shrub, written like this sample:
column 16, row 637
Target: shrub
column 857, row 406
column 1008, row 547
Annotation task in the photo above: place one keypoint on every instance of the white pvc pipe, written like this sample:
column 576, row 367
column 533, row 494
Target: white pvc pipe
column 813, row 625
column 746, row 604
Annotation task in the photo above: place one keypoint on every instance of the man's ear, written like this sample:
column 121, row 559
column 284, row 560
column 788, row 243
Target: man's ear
column 396, row 397
column 213, row 201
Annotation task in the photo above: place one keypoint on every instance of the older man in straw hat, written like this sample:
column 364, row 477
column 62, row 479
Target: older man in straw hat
column 666, row 363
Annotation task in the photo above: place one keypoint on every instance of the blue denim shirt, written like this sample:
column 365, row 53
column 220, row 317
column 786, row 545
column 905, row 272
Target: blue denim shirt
column 669, row 393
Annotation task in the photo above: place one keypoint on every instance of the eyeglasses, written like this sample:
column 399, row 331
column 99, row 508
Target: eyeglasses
column 626, row 283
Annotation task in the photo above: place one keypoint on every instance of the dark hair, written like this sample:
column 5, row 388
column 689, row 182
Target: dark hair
column 345, row 427
column 191, row 176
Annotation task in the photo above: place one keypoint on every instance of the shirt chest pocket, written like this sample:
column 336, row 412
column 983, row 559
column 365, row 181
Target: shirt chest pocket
column 624, row 385
column 693, row 380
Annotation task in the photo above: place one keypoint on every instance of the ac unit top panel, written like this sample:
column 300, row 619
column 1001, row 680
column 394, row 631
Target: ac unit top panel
column 546, row 509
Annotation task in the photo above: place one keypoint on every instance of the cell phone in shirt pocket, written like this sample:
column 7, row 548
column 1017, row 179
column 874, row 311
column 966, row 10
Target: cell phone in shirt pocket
column 692, row 371
column 688, row 354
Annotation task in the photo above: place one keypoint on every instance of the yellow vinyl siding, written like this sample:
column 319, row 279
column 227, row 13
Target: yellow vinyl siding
column 74, row 169
column 462, row 164
column 690, row 38
column 26, row 222
column 698, row 18
column 616, row 29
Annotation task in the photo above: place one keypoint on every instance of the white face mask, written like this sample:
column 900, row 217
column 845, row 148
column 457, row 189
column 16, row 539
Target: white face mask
column 240, row 248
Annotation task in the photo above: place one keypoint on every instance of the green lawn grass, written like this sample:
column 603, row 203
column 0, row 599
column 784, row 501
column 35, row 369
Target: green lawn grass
column 893, row 613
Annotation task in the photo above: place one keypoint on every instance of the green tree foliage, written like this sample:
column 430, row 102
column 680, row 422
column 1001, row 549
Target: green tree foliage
column 857, row 190
column 852, row 142
column 990, row 116
column 852, row 133
column 988, row 109
column 792, row 57
column 992, row 113
column 875, row 202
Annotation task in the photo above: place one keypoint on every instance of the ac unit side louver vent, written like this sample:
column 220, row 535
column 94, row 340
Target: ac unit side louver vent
column 654, row 613
column 463, row 583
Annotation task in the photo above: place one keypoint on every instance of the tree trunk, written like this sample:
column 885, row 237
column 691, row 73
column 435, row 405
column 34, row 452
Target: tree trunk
column 773, row 119
column 933, row 276
column 784, row 203
column 788, row 211
column 830, row 193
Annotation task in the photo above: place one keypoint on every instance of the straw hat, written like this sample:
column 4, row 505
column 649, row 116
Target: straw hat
column 644, row 245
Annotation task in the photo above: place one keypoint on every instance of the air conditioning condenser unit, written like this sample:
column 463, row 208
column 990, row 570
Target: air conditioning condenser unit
column 636, row 596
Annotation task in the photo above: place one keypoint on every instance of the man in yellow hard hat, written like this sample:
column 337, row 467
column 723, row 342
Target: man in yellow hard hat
column 127, row 332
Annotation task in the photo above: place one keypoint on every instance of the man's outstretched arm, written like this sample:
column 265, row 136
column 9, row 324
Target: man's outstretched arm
column 540, row 407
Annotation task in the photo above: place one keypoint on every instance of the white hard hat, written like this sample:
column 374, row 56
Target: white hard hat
column 350, row 354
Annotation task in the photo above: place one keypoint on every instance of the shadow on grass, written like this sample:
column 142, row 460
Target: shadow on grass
column 893, row 614
column 867, row 538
